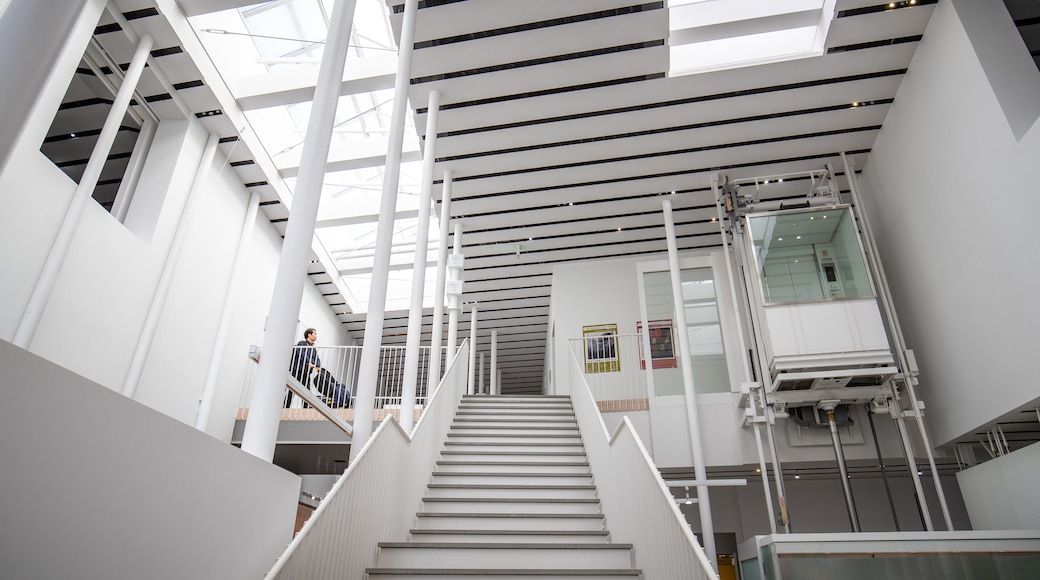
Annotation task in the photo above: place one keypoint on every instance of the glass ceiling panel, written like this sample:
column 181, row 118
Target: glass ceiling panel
column 285, row 34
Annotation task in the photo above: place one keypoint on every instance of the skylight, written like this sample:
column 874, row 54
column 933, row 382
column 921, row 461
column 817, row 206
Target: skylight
column 709, row 35
column 270, row 41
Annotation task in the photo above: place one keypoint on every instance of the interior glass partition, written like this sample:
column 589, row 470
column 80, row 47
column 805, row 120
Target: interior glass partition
column 708, row 356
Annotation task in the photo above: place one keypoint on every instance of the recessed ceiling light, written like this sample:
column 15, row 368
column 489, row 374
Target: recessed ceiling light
column 779, row 239
column 798, row 237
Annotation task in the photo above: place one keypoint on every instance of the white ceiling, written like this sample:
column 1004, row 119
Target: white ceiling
column 561, row 126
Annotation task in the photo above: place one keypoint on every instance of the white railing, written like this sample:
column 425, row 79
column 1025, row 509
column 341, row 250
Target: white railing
column 637, row 505
column 618, row 383
column 378, row 496
column 343, row 362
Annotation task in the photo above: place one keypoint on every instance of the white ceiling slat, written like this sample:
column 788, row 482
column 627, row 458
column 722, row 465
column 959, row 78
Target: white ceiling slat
column 542, row 43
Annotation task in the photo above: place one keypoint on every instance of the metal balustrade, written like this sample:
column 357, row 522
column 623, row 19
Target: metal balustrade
column 638, row 506
column 343, row 363
column 616, row 375
column 378, row 495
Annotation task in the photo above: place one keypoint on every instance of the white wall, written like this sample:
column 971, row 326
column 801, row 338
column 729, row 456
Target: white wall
column 94, row 318
column 951, row 194
column 97, row 486
column 1001, row 494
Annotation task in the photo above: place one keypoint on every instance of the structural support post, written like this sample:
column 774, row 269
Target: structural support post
column 839, row 456
column 471, row 387
column 703, row 502
column 745, row 366
column 91, row 173
column 480, row 370
column 437, row 331
column 216, row 360
column 368, row 374
column 496, row 387
column 422, row 242
column 874, row 262
column 454, row 300
column 169, row 264
column 265, row 407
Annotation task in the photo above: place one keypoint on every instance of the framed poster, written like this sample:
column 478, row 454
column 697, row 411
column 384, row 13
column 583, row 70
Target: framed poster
column 662, row 344
column 601, row 348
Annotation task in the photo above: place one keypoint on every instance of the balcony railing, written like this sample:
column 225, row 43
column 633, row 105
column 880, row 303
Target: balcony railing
column 343, row 362
column 614, row 370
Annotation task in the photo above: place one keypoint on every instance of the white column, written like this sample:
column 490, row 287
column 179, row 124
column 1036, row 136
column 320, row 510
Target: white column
column 704, row 505
column 454, row 301
column 63, row 239
column 471, row 388
column 480, row 381
column 169, row 265
column 209, row 391
column 265, row 406
column 422, row 242
column 438, row 296
column 496, row 389
column 368, row 374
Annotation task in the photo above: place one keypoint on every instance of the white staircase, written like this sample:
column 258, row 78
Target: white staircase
column 511, row 497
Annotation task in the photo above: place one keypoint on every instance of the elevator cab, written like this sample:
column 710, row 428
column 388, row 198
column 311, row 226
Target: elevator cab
column 820, row 320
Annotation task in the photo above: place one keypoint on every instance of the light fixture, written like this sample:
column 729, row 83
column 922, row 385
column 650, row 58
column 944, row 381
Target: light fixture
column 758, row 470
column 73, row 135
column 779, row 239
column 797, row 476
column 619, row 229
column 798, row 237
column 892, row 5
column 855, row 104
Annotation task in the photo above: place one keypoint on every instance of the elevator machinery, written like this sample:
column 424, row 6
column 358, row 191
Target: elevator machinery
column 822, row 330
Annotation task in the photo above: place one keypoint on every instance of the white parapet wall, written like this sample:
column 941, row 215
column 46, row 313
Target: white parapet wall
column 1002, row 494
column 95, row 485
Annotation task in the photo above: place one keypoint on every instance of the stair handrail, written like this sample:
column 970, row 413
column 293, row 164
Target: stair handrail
column 365, row 507
column 637, row 505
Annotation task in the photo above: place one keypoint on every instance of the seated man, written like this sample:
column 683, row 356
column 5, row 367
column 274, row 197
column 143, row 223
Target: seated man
column 304, row 360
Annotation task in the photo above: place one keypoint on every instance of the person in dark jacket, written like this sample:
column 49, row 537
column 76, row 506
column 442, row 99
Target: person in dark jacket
column 304, row 358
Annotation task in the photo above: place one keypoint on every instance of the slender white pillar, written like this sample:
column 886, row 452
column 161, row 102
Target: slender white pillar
column 438, row 296
column 209, row 391
column 480, row 381
column 265, row 406
column 422, row 242
column 91, row 173
column 703, row 503
column 368, row 373
column 454, row 301
column 169, row 265
column 496, row 389
column 471, row 388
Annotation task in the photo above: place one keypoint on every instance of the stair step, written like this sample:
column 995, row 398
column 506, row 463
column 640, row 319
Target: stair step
column 530, row 478
column 568, row 446
column 514, row 424
column 517, row 556
column 489, row 431
column 553, row 505
column 512, row 466
column 508, row 456
column 495, row 418
column 470, row 437
column 511, row 536
column 500, row 574
column 437, row 490
column 510, row 521
column 514, row 408
column 480, row 412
